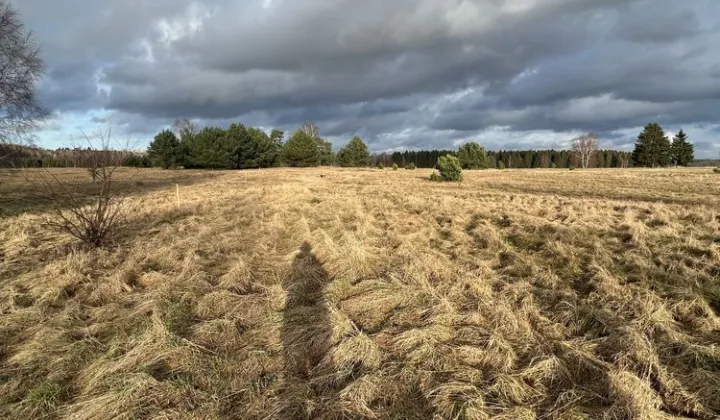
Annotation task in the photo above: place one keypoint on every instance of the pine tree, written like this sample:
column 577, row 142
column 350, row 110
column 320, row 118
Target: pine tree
column 355, row 154
column 472, row 156
column 301, row 150
column 164, row 149
column 325, row 155
column 682, row 150
column 212, row 148
column 652, row 147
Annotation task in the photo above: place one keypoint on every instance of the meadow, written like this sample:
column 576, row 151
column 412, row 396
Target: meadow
column 332, row 293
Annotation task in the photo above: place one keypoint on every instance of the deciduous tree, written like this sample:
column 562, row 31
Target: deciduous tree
column 584, row 147
column 20, row 70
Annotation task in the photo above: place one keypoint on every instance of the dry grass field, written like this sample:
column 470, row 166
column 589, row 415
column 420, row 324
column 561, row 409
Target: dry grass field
column 368, row 294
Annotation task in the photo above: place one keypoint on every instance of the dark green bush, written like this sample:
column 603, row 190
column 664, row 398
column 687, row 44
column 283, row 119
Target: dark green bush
column 501, row 165
column 716, row 170
column 381, row 166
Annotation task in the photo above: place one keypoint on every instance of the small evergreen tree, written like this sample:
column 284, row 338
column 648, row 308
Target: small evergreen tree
column 355, row 154
column 395, row 167
column 301, row 150
column 410, row 166
column 213, row 148
column 501, row 164
column 682, row 150
column 472, row 156
column 449, row 169
column 325, row 154
column 163, row 151
column 652, row 147
column 251, row 147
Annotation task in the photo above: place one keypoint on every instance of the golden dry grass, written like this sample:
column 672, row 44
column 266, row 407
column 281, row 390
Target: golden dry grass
column 343, row 294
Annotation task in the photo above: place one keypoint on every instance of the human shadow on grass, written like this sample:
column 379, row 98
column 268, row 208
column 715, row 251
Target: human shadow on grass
column 307, row 340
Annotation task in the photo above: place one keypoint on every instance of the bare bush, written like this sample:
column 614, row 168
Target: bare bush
column 89, row 211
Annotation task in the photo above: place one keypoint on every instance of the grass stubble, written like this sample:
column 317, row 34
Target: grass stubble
column 343, row 294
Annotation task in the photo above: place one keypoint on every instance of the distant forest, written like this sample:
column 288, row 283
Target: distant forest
column 22, row 156
column 509, row 158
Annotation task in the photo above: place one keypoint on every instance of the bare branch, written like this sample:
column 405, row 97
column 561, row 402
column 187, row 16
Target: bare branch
column 20, row 70
column 311, row 129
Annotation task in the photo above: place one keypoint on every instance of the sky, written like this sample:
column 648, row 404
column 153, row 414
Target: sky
column 401, row 74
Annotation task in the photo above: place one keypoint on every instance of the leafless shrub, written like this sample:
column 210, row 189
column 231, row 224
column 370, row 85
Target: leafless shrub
column 91, row 212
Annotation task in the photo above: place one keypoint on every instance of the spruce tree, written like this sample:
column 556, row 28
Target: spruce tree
column 652, row 147
column 682, row 150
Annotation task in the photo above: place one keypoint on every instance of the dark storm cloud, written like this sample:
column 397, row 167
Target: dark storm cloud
column 407, row 73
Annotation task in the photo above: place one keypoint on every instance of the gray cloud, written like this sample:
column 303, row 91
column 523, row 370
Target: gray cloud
column 402, row 74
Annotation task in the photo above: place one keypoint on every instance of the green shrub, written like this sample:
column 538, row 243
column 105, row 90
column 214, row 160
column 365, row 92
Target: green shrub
column 395, row 167
column 553, row 165
column 501, row 165
column 380, row 166
column 410, row 166
column 449, row 169
column 716, row 170
column 571, row 168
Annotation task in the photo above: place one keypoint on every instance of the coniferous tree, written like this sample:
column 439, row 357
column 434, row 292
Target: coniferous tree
column 472, row 156
column 682, row 150
column 325, row 154
column 251, row 147
column 164, row 149
column 355, row 154
column 212, row 148
column 652, row 147
column 301, row 150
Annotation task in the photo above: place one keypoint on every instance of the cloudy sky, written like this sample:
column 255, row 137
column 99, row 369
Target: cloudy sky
column 402, row 74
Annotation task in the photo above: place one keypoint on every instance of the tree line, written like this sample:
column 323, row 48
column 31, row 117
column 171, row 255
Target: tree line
column 242, row 147
column 509, row 158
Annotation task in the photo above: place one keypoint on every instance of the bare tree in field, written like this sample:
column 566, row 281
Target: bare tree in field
column 20, row 70
column 311, row 129
column 184, row 129
column 585, row 147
